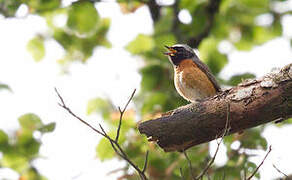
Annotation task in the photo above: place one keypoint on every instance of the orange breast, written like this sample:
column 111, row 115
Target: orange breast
column 191, row 82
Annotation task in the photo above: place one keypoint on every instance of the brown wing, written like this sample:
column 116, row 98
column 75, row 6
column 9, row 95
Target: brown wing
column 206, row 70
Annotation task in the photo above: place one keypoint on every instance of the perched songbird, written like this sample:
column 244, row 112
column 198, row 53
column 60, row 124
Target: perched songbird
column 192, row 78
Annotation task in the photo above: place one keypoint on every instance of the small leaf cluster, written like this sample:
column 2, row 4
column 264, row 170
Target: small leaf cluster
column 22, row 147
column 237, row 22
column 82, row 30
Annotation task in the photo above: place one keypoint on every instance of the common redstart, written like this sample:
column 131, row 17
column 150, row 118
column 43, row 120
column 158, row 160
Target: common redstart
column 192, row 78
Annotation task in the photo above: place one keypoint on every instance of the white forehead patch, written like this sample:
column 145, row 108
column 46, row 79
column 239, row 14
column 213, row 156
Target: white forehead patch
column 178, row 45
column 184, row 46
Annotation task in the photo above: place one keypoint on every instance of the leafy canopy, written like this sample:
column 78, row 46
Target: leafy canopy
column 212, row 21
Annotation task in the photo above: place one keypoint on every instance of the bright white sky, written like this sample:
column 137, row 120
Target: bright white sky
column 69, row 152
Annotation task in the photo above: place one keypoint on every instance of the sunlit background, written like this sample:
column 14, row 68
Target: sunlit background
column 69, row 151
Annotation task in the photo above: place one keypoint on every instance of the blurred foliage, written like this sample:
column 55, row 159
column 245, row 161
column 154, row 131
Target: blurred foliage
column 37, row 48
column 4, row 87
column 83, row 31
column 234, row 21
column 238, row 78
column 20, row 148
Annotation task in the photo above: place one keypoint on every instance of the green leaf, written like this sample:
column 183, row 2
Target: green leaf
column 83, row 18
column 99, row 105
column 36, row 47
column 154, row 102
column 244, row 45
column 253, row 139
column 228, row 172
column 191, row 5
column 255, row 35
column 102, row 29
column 164, row 39
column 258, row 6
column 31, row 174
column 141, row 44
column 199, row 22
column 9, row 7
column 42, row 5
column 211, row 56
column 225, row 5
column 264, row 34
column 104, row 150
column 30, row 122
column 47, row 128
column 165, row 22
column 26, row 145
column 3, row 141
column 236, row 79
column 15, row 161
column 152, row 77
column 4, row 87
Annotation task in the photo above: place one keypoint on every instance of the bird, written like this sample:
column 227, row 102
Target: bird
column 193, row 79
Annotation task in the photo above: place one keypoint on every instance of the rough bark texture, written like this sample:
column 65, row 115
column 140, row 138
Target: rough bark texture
column 252, row 103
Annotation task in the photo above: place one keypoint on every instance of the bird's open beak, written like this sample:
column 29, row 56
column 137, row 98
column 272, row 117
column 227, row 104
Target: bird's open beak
column 171, row 51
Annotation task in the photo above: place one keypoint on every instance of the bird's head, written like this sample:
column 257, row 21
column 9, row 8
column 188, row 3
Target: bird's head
column 179, row 52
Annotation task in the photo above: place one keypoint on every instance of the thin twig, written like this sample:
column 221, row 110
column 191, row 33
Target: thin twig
column 181, row 174
column 258, row 167
column 190, row 164
column 244, row 173
column 63, row 105
column 226, row 130
column 280, row 171
column 116, row 170
column 223, row 178
column 146, row 161
column 114, row 142
column 122, row 113
column 208, row 176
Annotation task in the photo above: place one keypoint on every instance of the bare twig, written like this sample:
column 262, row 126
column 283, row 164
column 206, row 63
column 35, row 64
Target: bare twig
column 145, row 163
column 244, row 173
column 114, row 142
column 280, row 171
column 190, row 164
column 122, row 113
column 116, row 170
column 226, row 130
column 63, row 105
column 258, row 167
column 223, row 178
column 181, row 174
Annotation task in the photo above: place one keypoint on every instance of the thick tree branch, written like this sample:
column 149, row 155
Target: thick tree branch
column 175, row 21
column 154, row 9
column 252, row 103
